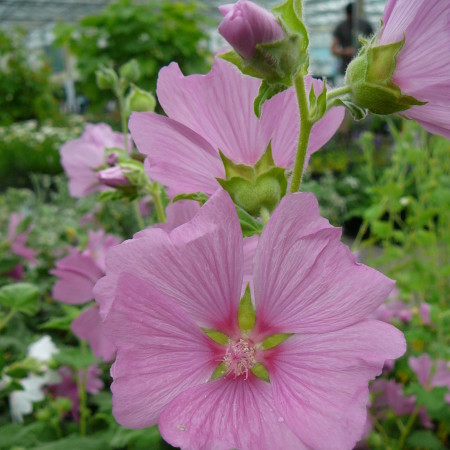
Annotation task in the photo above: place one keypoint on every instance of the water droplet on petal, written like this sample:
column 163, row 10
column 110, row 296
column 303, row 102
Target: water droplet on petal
column 181, row 427
column 280, row 419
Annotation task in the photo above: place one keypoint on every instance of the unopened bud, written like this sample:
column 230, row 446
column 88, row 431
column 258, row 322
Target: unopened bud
column 106, row 78
column 130, row 71
column 113, row 177
column 140, row 100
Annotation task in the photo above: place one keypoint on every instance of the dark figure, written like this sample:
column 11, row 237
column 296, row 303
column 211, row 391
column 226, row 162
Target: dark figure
column 345, row 37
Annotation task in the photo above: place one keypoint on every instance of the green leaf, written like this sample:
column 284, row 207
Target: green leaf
column 75, row 358
column 75, row 442
column 266, row 91
column 424, row 439
column 216, row 336
column 197, row 196
column 261, row 372
column 7, row 262
column 148, row 438
column 275, row 339
column 21, row 297
column 246, row 312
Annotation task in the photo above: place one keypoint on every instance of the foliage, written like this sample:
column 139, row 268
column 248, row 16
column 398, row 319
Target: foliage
column 25, row 88
column 29, row 148
column 154, row 33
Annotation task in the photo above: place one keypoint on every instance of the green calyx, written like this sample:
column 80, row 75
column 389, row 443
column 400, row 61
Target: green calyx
column 254, row 188
column 277, row 63
column 369, row 76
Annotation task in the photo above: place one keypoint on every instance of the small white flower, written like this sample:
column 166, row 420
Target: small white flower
column 43, row 349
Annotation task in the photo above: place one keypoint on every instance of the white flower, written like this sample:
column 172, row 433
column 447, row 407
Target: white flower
column 43, row 349
column 21, row 402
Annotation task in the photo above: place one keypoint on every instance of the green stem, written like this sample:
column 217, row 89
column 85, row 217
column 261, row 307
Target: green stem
column 337, row 93
column 137, row 213
column 81, row 381
column 123, row 117
column 6, row 319
column 359, row 236
column 305, row 130
column 156, row 194
column 405, row 431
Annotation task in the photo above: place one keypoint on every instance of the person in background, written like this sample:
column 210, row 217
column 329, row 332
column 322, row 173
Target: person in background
column 345, row 37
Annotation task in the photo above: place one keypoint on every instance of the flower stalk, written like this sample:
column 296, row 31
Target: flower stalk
column 305, row 131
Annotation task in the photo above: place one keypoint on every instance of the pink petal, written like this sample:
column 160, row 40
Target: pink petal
column 88, row 326
column 320, row 382
column 179, row 213
column 422, row 367
column 282, row 110
column 218, row 106
column 161, row 352
column 305, row 279
column 200, row 264
column 99, row 243
column 250, row 245
column 177, row 156
column 225, row 414
column 441, row 376
column 78, row 274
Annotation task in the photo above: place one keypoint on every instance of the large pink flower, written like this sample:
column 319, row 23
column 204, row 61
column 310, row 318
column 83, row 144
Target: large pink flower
column 423, row 62
column 208, row 113
column 163, row 288
column 82, row 157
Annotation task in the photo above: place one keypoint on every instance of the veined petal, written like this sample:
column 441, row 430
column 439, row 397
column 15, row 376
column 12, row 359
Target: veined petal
column 218, row 106
column 281, row 112
column 227, row 413
column 320, row 382
column 77, row 276
column 161, row 352
column 88, row 325
column 305, row 279
column 176, row 156
column 200, row 264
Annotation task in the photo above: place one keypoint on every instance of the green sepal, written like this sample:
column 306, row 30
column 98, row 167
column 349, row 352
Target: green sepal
column 197, row 196
column 358, row 112
column 253, row 188
column 369, row 76
column 382, row 60
column 249, row 225
column 233, row 170
column 216, row 336
column 291, row 15
column 264, row 192
column 243, row 65
column 275, row 339
column 246, row 312
column 318, row 104
column 266, row 91
column 220, row 371
column 261, row 372
column 112, row 195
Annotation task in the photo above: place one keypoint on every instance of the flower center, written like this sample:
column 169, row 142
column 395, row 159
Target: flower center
column 239, row 357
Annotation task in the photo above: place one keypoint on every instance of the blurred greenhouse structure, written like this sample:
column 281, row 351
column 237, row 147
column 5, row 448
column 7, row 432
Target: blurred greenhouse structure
column 38, row 18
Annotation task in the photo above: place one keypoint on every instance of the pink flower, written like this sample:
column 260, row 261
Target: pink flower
column 163, row 288
column 79, row 270
column 18, row 241
column 18, row 247
column 424, row 311
column 208, row 113
column 88, row 326
column 422, row 367
column 82, row 157
column 113, row 177
column 423, row 62
column 245, row 25
column 389, row 394
column 67, row 387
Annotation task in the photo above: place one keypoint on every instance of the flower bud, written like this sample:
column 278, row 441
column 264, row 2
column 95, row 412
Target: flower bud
column 113, row 177
column 130, row 71
column 106, row 78
column 246, row 25
column 140, row 100
column 112, row 159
